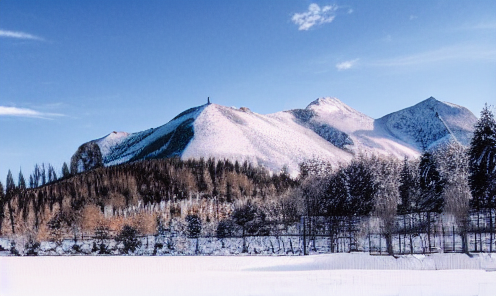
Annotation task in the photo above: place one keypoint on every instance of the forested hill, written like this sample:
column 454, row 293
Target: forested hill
column 109, row 190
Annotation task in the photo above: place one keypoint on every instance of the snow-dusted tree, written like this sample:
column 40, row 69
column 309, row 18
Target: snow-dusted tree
column 315, row 167
column 194, row 229
column 453, row 166
column 386, row 176
column 482, row 165
column 431, row 186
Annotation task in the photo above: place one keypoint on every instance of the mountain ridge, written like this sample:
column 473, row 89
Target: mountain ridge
column 327, row 129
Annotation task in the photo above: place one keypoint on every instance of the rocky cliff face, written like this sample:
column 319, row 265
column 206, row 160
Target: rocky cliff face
column 87, row 157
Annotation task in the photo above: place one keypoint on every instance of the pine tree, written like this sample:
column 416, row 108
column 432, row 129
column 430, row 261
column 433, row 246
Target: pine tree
column 21, row 183
column 431, row 185
column 43, row 174
column 36, row 176
column 194, row 229
column 431, row 188
column 482, row 166
column 65, row 171
column 31, row 182
column 482, row 160
column 2, row 203
column 10, row 185
column 10, row 189
column 361, row 189
column 406, row 189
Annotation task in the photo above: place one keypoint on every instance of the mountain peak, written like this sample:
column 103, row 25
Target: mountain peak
column 330, row 103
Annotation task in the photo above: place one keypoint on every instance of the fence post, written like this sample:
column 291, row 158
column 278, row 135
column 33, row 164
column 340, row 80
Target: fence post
column 304, row 235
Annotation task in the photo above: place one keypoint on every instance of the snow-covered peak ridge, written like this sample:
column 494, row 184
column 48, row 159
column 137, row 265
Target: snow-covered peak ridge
column 109, row 141
column 431, row 122
column 329, row 105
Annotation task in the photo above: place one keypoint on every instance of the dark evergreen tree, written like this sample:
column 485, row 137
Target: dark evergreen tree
column 225, row 229
column 43, row 174
column 194, row 229
column 251, row 219
column 482, row 161
column 10, row 185
column 431, row 185
column 2, row 204
column 129, row 239
column 36, row 176
column 194, row 226
column 21, row 183
column 65, row 171
column 31, row 182
column 361, row 189
column 52, row 176
column 408, row 186
column 10, row 190
column 482, row 168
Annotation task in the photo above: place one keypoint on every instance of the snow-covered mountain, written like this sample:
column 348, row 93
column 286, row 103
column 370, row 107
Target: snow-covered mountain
column 430, row 123
column 326, row 129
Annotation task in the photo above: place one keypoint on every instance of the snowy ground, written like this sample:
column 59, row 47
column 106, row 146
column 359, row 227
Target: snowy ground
column 333, row 274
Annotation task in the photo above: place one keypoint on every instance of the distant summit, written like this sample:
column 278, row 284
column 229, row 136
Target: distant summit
column 430, row 123
column 327, row 128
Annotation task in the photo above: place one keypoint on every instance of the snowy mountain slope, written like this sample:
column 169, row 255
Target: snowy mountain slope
column 422, row 124
column 272, row 140
column 326, row 128
column 351, row 130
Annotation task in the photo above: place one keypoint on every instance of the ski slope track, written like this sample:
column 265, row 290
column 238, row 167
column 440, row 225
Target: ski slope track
column 326, row 129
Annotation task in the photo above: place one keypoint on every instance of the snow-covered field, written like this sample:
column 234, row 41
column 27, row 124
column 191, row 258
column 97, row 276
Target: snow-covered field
column 333, row 274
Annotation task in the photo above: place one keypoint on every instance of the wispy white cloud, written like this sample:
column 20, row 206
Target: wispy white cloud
column 346, row 65
column 18, row 35
column 350, row 11
column 412, row 17
column 315, row 15
column 452, row 53
column 24, row 112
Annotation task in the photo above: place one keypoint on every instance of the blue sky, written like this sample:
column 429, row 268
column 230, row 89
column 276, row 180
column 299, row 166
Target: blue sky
column 73, row 71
